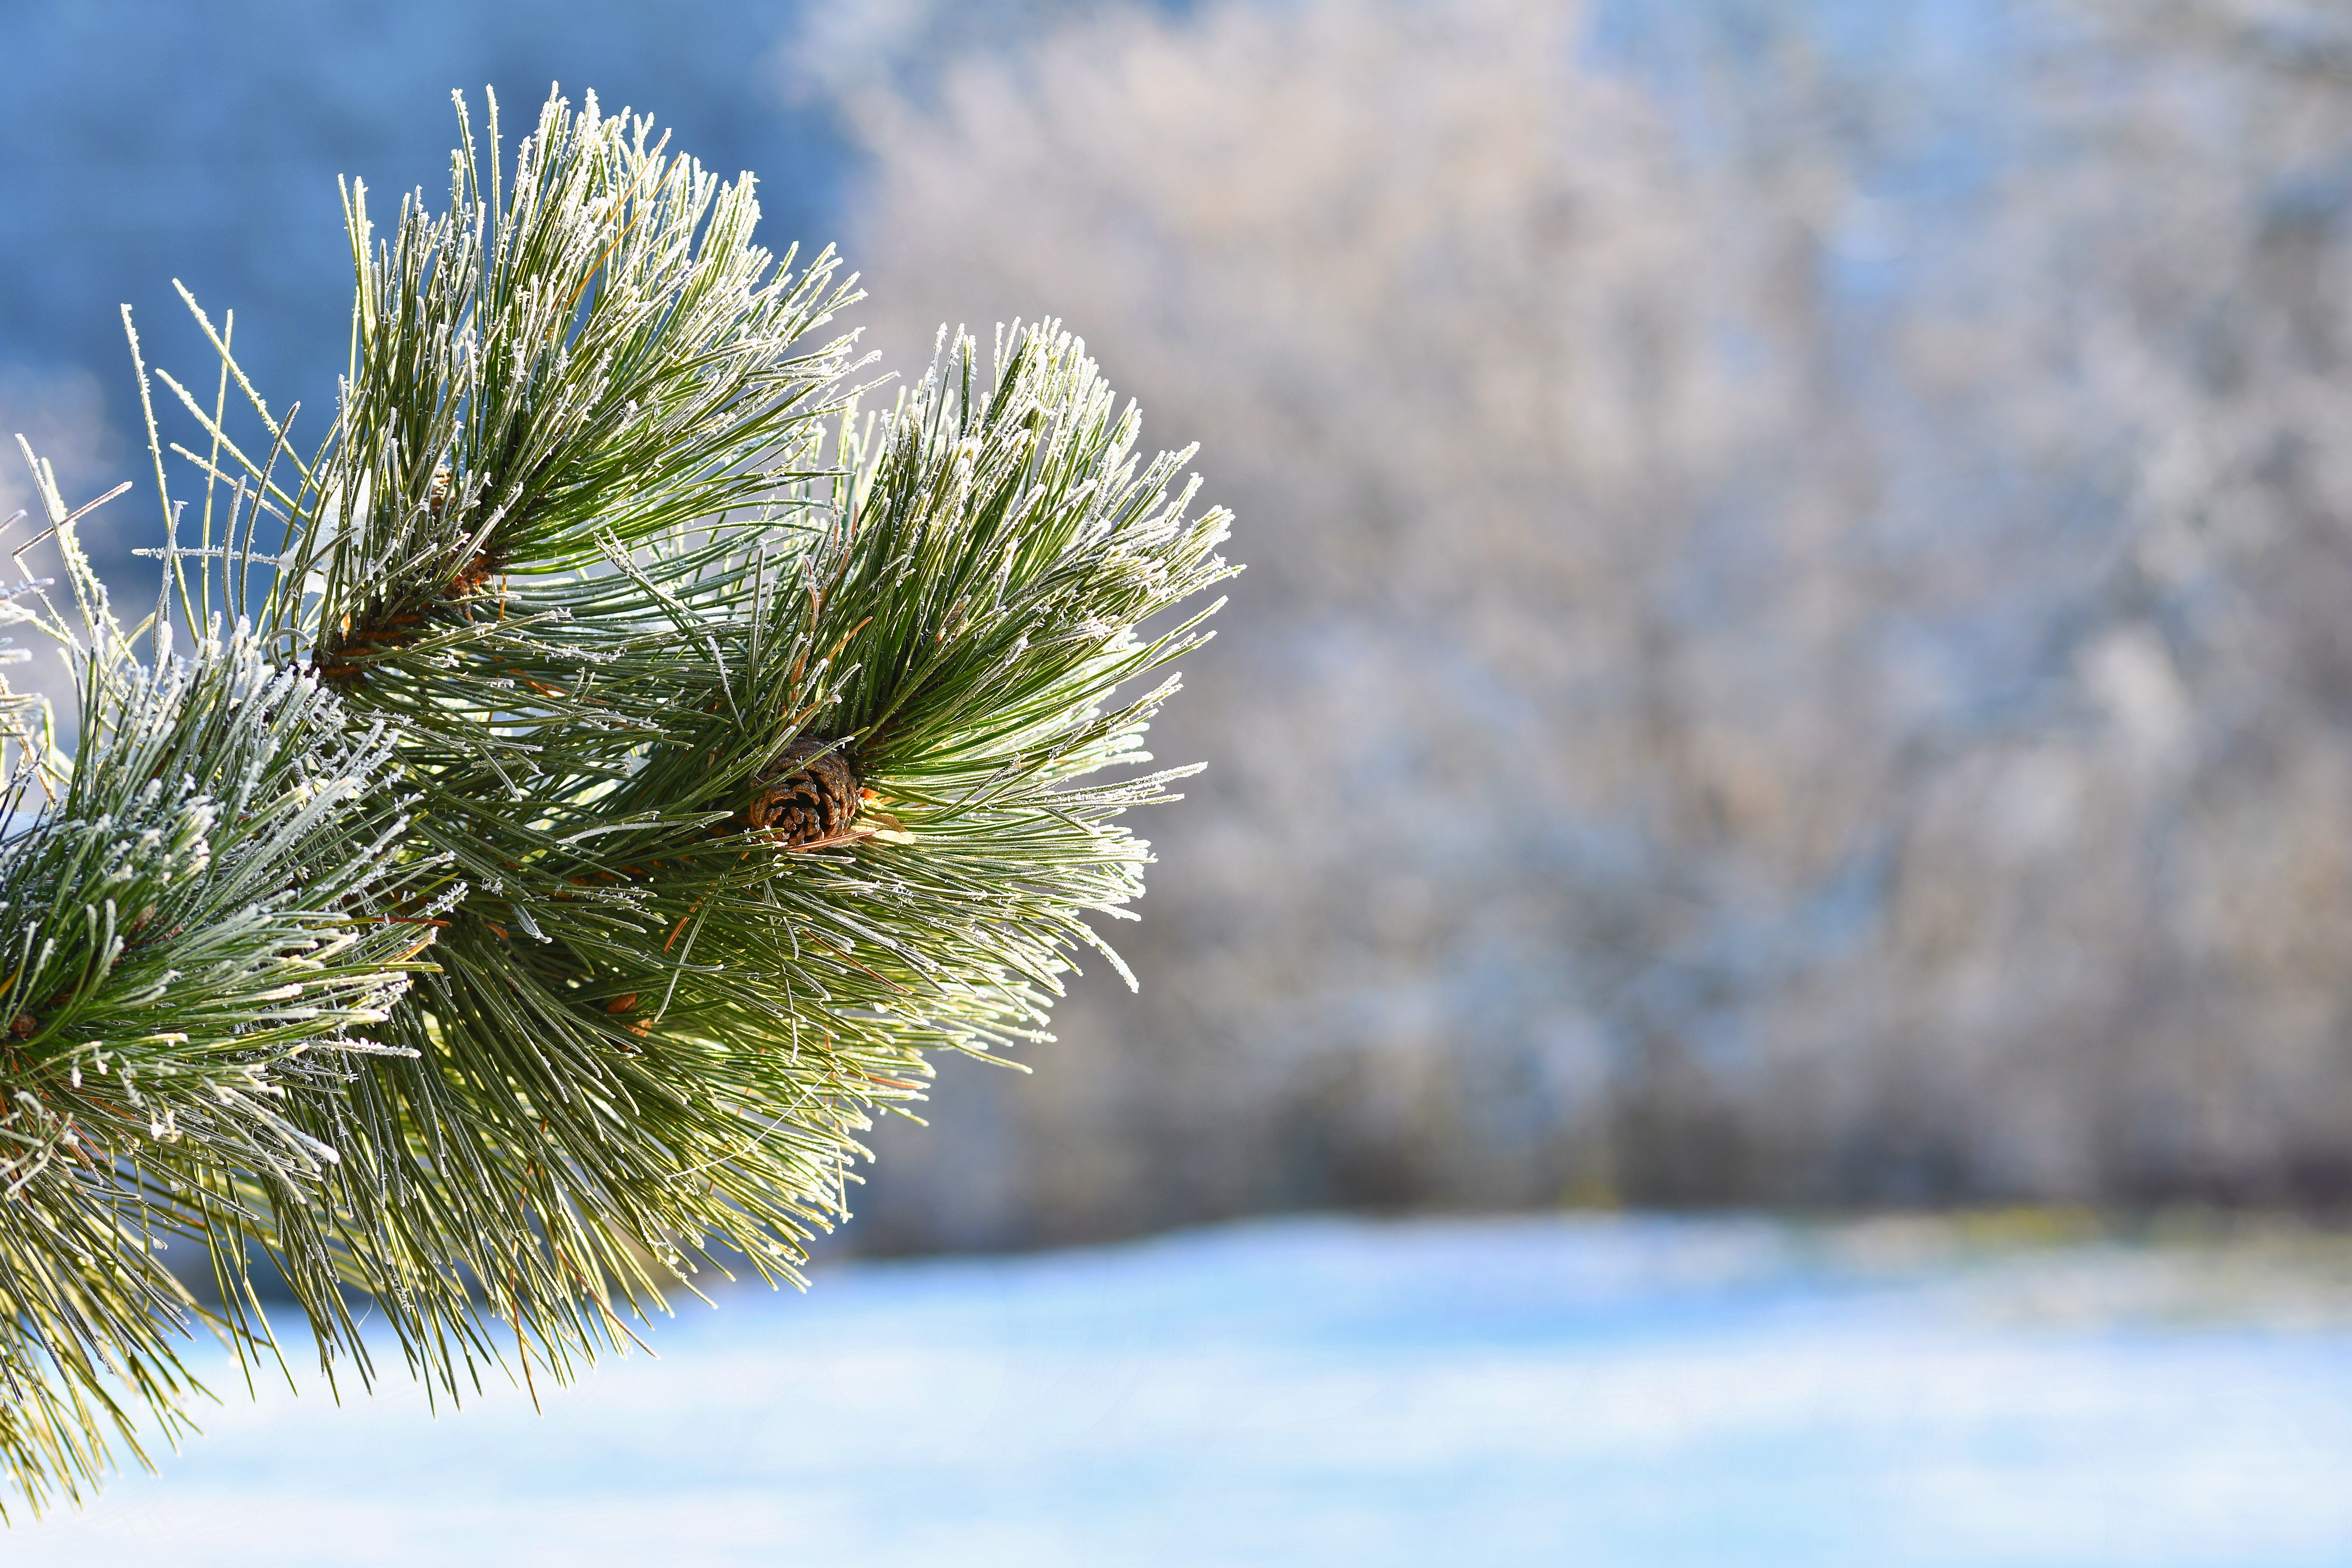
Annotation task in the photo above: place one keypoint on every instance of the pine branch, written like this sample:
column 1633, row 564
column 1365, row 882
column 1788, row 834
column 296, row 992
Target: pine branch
column 191, row 935
column 686, row 753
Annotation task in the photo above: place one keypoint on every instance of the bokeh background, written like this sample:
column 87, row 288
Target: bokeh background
column 1795, row 647
column 1797, row 650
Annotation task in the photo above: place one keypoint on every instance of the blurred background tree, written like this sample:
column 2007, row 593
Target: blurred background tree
column 1794, row 650
column 1797, row 568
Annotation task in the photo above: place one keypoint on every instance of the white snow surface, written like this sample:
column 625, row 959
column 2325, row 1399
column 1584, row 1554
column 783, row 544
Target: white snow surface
column 1584, row 1392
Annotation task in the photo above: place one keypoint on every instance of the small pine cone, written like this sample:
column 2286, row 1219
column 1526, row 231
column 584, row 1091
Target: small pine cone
column 472, row 575
column 484, row 565
column 804, row 797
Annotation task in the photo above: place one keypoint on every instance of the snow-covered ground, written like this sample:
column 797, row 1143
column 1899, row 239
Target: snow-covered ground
column 1574, row 1392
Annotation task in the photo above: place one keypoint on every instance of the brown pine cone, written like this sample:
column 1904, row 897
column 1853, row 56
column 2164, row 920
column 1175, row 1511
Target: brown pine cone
column 806, row 798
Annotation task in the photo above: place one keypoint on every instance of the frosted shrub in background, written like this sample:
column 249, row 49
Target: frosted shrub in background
column 1796, row 646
